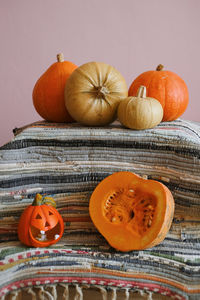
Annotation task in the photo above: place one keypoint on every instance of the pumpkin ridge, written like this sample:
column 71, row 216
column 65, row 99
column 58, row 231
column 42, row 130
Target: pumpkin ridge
column 99, row 75
column 114, row 84
column 106, row 80
column 172, row 115
column 164, row 101
column 59, row 69
column 177, row 111
column 40, row 106
column 168, row 98
column 151, row 115
column 87, row 77
column 165, row 107
column 107, row 102
column 89, row 106
column 128, row 112
column 159, row 74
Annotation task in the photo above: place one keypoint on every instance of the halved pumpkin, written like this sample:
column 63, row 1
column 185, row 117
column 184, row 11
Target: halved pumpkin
column 131, row 212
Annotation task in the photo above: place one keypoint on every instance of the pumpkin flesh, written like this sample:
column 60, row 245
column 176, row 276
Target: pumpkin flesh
column 132, row 213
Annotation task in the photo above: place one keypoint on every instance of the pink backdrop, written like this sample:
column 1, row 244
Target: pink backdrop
column 132, row 35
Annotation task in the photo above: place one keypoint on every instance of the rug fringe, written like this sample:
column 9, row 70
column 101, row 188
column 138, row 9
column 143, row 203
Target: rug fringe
column 42, row 293
column 54, row 292
column 65, row 295
column 127, row 294
column 31, row 292
column 150, row 296
column 14, row 295
column 103, row 292
column 50, row 292
column 79, row 293
column 114, row 293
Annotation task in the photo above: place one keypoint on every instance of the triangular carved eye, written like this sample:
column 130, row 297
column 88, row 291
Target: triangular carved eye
column 50, row 213
column 38, row 216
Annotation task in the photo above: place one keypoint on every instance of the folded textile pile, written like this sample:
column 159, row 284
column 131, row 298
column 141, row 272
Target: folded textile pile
column 67, row 161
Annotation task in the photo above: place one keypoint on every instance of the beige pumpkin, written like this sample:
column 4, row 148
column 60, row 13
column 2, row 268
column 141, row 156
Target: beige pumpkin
column 93, row 93
column 140, row 112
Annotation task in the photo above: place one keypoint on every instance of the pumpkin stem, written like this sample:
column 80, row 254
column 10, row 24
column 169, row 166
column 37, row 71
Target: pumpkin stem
column 49, row 201
column 160, row 67
column 37, row 200
column 101, row 91
column 141, row 93
column 60, row 57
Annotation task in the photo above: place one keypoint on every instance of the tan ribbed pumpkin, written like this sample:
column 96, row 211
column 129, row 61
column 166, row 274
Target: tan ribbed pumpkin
column 140, row 112
column 93, row 93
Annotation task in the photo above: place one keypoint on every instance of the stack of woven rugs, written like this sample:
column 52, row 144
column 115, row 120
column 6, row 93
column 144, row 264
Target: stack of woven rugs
column 67, row 161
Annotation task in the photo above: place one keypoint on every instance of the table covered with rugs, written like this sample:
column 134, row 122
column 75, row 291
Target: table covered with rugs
column 66, row 162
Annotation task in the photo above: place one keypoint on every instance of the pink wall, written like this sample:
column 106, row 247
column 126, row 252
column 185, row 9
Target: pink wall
column 132, row 35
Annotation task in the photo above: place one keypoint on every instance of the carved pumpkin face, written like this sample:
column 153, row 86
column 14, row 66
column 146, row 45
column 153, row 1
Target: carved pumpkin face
column 44, row 218
column 40, row 224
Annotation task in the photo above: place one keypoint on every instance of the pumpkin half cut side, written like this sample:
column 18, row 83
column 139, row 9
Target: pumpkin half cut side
column 132, row 213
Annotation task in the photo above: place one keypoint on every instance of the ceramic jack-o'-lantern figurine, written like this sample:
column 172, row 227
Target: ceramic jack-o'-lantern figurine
column 40, row 224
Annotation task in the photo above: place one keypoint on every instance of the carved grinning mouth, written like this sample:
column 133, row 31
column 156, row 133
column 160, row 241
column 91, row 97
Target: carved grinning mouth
column 46, row 235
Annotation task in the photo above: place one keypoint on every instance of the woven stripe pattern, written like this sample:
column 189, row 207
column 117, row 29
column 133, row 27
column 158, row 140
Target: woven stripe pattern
column 67, row 161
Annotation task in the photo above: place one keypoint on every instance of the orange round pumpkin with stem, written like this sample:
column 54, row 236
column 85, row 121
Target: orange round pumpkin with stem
column 131, row 212
column 165, row 86
column 48, row 92
column 40, row 224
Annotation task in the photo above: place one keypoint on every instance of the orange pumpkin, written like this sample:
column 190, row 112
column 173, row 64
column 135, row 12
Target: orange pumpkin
column 167, row 87
column 40, row 224
column 131, row 212
column 48, row 92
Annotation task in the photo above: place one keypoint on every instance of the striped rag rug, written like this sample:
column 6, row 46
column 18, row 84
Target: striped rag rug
column 67, row 161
